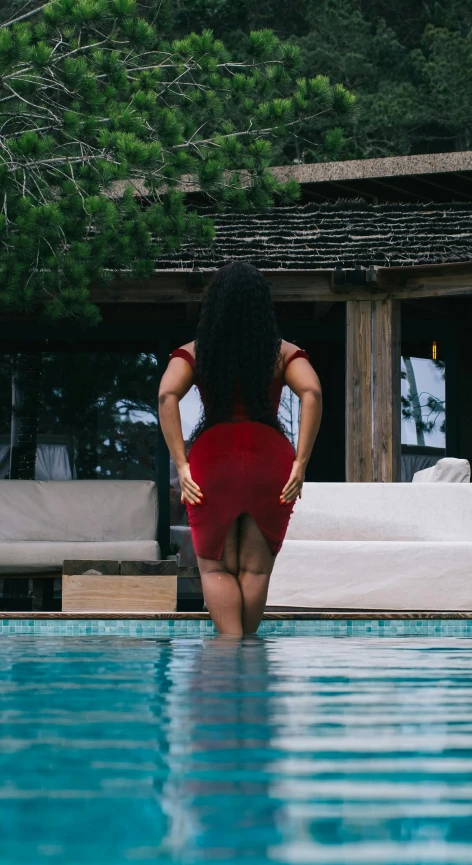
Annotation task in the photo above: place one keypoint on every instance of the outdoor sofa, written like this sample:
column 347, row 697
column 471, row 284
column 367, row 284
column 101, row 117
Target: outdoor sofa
column 348, row 546
column 377, row 546
column 42, row 523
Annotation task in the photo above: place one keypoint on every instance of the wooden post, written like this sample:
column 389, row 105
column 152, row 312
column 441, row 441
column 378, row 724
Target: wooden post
column 358, row 390
column 373, row 390
column 386, row 390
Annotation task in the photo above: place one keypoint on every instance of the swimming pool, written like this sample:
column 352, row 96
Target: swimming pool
column 271, row 749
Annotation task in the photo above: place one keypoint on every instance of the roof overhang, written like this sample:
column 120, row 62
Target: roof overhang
column 421, row 177
column 424, row 177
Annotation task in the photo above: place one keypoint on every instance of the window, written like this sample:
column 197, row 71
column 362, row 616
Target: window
column 423, row 402
column 90, row 414
column 423, row 410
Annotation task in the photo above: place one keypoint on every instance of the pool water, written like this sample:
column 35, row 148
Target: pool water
column 268, row 750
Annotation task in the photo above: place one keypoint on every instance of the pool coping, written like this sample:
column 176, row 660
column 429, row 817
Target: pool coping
column 308, row 615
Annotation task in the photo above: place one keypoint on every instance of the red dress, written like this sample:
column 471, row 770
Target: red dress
column 241, row 467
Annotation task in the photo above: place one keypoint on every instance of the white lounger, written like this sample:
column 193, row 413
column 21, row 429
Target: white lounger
column 44, row 522
column 377, row 547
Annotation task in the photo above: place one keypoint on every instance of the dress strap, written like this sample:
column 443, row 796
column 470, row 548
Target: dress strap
column 298, row 353
column 182, row 352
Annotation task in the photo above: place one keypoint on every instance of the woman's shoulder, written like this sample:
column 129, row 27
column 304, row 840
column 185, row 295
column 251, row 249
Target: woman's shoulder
column 288, row 348
column 190, row 347
column 286, row 351
column 187, row 352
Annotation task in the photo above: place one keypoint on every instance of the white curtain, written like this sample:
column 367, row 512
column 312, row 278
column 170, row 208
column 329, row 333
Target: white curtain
column 52, row 463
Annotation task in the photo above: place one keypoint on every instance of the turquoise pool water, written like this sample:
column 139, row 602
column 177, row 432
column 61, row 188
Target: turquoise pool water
column 271, row 750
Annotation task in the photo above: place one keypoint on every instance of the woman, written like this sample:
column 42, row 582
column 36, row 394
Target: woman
column 242, row 475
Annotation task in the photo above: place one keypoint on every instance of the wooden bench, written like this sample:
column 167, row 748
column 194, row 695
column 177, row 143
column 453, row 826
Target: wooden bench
column 120, row 587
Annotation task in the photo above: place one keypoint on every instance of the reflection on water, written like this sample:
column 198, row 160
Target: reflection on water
column 283, row 750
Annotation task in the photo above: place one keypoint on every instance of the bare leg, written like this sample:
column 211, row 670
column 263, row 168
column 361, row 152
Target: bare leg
column 255, row 567
column 221, row 588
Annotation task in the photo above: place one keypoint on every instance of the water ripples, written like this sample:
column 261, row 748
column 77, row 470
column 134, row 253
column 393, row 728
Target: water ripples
column 284, row 750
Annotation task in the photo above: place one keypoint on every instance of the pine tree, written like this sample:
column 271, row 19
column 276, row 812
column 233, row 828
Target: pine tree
column 408, row 64
column 94, row 105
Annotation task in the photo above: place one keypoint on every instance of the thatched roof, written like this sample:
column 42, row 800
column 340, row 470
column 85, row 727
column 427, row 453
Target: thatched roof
column 330, row 235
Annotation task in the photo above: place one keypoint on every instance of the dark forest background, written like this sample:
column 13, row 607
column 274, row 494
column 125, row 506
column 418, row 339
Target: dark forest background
column 409, row 62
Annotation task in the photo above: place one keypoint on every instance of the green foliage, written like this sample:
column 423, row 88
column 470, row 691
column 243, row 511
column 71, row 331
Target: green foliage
column 95, row 103
column 408, row 64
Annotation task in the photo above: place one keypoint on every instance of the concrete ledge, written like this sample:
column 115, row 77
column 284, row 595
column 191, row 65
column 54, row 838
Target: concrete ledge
column 325, row 172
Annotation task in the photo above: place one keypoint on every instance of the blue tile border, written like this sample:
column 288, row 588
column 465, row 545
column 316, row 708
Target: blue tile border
column 268, row 628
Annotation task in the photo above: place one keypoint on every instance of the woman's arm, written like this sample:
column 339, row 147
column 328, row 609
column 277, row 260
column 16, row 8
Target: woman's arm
column 303, row 380
column 175, row 383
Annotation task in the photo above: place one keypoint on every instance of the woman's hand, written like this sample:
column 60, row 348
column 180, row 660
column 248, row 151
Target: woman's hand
column 293, row 487
column 190, row 491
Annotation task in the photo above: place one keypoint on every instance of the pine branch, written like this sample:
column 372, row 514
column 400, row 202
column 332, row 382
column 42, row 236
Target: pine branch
column 85, row 106
column 22, row 17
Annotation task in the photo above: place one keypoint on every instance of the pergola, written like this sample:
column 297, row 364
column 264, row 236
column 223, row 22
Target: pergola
column 367, row 234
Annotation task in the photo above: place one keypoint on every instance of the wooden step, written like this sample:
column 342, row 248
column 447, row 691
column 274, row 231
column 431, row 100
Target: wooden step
column 98, row 586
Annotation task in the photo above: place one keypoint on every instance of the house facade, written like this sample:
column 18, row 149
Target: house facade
column 371, row 273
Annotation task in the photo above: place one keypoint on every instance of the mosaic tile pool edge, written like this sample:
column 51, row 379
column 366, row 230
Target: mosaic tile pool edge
column 268, row 628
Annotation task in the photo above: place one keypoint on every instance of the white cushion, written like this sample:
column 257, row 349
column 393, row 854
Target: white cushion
column 17, row 557
column 381, row 511
column 78, row 510
column 373, row 575
column 447, row 470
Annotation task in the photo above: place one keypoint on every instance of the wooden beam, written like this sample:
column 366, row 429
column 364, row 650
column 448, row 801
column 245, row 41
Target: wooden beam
column 449, row 286
column 358, row 391
column 425, row 271
column 173, row 287
column 433, row 281
column 386, row 390
column 372, row 391
column 397, row 283
column 401, row 286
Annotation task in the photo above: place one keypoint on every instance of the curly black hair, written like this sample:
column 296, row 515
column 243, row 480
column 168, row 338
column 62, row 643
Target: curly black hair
column 237, row 341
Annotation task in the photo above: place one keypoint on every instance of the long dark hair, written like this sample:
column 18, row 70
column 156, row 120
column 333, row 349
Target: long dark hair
column 237, row 343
